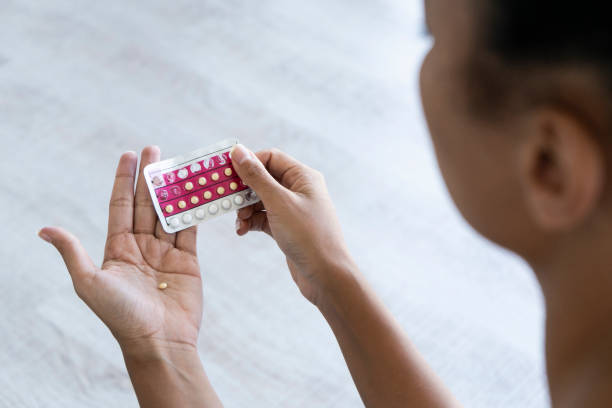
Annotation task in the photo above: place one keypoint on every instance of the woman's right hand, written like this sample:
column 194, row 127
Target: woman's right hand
column 296, row 211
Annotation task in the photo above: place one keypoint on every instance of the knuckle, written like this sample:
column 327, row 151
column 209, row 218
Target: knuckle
column 121, row 201
column 275, row 151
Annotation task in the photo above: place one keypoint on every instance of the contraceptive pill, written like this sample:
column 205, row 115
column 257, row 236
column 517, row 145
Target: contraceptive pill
column 190, row 189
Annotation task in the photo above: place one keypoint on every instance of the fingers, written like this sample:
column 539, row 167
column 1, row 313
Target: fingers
column 121, row 206
column 79, row 264
column 163, row 235
column 186, row 240
column 282, row 167
column 144, row 212
column 246, row 212
column 256, row 222
column 253, row 173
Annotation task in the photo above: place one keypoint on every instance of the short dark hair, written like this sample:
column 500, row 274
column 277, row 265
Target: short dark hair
column 550, row 32
column 524, row 35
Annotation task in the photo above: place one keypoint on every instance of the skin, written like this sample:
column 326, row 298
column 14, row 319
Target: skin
column 532, row 179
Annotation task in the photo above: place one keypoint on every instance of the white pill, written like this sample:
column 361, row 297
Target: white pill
column 187, row 218
column 182, row 173
column 226, row 204
column 238, row 200
column 213, row 209
column 200, row 214
column 174, row 222
column 195, row 167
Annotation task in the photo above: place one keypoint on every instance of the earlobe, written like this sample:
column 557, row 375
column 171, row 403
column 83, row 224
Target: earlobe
column 562, row 169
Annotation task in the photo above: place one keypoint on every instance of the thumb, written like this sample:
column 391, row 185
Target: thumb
column 75, row 257
column 254, row 174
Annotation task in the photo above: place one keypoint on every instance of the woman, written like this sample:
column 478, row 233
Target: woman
column 517, row 98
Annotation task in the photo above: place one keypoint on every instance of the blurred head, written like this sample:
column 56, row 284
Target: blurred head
column 517, row 95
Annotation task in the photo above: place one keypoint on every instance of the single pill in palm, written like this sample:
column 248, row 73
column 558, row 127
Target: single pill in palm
column 189, row 186
column 202, row 181
column 169, row 208
column 215, row 176
column 228, row 172
column 207, row 195
column 220, row 190
column 182, row 204
column 194, row 200
column 233, row 185
column 162, row 285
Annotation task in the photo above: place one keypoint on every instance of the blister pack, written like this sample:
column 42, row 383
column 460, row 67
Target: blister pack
column 190, row 189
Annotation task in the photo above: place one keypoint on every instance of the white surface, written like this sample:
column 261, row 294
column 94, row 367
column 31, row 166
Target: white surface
column 332, row 82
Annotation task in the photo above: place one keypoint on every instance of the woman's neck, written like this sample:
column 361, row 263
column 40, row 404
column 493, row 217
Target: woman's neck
column 577, row 286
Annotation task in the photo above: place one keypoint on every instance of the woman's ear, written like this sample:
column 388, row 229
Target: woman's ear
column 561, row 168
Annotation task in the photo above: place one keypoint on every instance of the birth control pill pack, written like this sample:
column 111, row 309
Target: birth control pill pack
column 201, row 185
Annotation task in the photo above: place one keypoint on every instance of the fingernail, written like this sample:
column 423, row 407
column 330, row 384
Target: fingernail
column 239, row 153
column 238, row 224
column 44, row 236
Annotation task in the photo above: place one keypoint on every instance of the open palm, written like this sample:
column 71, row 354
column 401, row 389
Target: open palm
column 139, row 255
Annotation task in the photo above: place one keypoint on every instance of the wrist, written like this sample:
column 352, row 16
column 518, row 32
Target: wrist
column 339, row 275
column 151, row 350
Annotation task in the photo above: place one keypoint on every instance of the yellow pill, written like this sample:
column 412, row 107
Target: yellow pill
column 215, row 176
column 189, row 186
column 220, row 190
column 228, row 172
column 169, row 208
column 182, row 204
column 194, row 200
column 233, row 185
column 162, row 285
column 207, row 195
column 202, row 181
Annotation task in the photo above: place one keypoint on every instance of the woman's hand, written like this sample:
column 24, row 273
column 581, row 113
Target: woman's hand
column 138, row 256
column 296, row 210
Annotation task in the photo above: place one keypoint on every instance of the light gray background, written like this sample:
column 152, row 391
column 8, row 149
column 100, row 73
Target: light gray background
column 333, row 82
